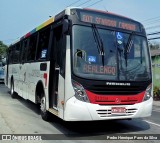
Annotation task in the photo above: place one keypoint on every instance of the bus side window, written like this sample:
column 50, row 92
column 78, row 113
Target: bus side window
column 13, row 54
column 32, row 48
column 16, row 53
column 10, row 55
column 43, row 44
column 24, row 50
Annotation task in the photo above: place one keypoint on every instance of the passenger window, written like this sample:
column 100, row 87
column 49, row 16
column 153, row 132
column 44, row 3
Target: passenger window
column 32, row 48
column 16, row 53
column 10, row 55
column 43, row 44
column 24, row 50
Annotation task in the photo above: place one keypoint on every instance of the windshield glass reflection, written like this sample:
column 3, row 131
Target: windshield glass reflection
column 125, row 55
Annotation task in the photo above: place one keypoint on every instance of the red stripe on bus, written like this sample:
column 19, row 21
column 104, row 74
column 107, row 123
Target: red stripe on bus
column 115, row 99
column 27, row 35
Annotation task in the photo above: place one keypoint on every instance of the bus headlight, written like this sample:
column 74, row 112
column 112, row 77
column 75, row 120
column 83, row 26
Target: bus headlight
column 80, row 93
column 148, row 93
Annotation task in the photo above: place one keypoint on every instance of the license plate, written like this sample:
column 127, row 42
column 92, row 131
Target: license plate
column 118, row 110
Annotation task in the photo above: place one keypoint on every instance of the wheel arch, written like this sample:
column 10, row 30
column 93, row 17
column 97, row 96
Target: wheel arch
column 38, row 91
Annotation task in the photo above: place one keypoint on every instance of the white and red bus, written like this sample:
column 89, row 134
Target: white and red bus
column 83, row 65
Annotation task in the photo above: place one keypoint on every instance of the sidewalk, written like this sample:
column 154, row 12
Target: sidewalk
column 156, row 103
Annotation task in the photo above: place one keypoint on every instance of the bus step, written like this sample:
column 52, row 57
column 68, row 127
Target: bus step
column 53, row 111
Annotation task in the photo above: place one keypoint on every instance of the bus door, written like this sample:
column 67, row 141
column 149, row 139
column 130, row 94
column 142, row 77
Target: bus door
column 22, row 70
column 57, row 69
column 54, row 81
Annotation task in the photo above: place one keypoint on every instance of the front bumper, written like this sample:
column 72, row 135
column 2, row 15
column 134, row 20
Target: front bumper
column 76, row 110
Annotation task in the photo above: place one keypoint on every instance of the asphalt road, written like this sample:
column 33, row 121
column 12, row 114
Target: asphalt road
column 19, row 116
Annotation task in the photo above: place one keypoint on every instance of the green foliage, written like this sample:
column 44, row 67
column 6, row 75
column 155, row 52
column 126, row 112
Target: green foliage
column 3, row 49
column 156, row 93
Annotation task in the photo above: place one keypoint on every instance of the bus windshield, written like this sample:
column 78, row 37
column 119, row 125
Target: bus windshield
column 109, row 55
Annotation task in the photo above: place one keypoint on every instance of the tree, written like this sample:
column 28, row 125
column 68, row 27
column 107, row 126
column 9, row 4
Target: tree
column 3, row 49
column 154, row 45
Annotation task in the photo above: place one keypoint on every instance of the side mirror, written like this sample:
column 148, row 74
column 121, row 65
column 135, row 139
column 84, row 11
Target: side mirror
column 65, row 25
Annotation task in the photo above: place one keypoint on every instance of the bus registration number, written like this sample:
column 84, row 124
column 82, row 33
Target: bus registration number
column 119, row 110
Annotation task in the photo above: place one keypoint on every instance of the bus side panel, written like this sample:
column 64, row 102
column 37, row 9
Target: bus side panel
column 22, row 81
column 34, row 75
column 45, row 79
column 9, row 75
column 61, row 94
column 69, row 91
column 15, row 72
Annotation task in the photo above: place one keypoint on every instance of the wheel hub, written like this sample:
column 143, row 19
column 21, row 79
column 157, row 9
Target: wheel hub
column 43, row 104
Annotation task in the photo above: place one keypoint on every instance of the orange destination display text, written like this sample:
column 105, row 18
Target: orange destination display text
column 108, row 22
column 109, row 70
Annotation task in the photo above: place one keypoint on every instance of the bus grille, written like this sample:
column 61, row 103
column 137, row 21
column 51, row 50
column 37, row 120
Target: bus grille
column 107, row 113
column 110, row 90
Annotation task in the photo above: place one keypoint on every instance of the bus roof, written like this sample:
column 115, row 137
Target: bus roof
column 59, row 15
column 35, row 29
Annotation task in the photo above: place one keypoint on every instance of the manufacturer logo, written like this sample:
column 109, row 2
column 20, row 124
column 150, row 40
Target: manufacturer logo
column 118, row 101
column 118, row 84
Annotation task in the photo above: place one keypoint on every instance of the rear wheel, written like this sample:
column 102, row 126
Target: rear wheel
column 13, row 94
column 44, row 112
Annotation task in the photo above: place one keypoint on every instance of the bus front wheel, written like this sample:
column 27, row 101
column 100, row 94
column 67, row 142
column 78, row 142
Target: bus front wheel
column 44, row 112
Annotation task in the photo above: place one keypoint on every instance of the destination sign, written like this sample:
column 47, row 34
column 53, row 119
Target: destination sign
column 109, row 20
column 96, row 69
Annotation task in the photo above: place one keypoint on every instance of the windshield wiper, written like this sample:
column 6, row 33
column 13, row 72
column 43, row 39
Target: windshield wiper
column 128, row 47
column 99, row 42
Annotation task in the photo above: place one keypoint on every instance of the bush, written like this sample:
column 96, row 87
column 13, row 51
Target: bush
column 156, row 93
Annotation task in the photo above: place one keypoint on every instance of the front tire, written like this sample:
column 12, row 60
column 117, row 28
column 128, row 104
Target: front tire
column 44, row 112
